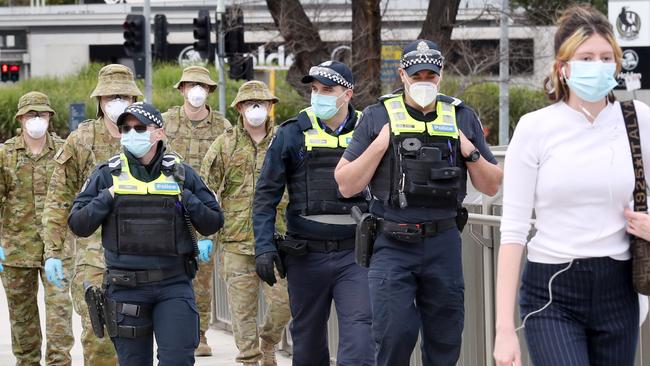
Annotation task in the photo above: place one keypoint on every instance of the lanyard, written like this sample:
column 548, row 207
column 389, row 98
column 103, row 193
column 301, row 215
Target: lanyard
column 338, row 129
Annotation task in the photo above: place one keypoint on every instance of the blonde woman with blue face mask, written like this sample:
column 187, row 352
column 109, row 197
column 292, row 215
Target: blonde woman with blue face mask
column 571, row 163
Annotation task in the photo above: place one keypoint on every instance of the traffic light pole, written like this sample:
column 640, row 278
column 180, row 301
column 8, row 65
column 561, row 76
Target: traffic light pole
column 218, row 56
column 147, row 52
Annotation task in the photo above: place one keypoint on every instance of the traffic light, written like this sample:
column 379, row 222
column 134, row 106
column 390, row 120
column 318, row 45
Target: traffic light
column 4, row 71
column 14, row 73
column 134, row 42
column 134, row 35
column 160, row 44
column 234, row 37
column 241, row 67
column 202, row 30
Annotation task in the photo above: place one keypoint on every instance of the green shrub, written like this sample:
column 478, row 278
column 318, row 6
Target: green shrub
column 484, row 99
column 77, row 88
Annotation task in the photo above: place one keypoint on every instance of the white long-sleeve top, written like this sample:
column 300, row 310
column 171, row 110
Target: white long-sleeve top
column 577, row 176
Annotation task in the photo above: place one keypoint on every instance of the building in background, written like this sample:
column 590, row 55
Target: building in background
column 58, row 37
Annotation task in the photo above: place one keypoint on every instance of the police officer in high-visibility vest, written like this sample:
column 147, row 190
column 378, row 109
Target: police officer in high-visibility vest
column 317, row 252
column 148, row 204
column 413, row 151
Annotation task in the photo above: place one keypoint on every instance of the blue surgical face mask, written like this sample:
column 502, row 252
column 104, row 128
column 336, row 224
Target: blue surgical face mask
column 136, row 143
column 324, row 106
column 591, row 80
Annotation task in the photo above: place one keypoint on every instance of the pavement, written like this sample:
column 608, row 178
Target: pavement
column 222, row 342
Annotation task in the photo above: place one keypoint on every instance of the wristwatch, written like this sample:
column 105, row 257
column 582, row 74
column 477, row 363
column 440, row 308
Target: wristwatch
column 473, row 156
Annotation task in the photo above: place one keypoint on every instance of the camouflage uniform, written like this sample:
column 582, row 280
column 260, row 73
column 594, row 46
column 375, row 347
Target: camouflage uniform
column 230, row 168
column 86, row 147
column 23, row 181
column 191, row 141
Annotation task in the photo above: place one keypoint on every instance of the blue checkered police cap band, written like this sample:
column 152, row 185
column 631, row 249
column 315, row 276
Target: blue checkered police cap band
column 146, row 110
column 326, row 72
column 427, row 57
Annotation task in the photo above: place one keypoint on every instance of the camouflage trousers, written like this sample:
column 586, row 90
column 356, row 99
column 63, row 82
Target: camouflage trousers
column 21, row 288
column 97, row 351
column 243, row 287
column 203, row 293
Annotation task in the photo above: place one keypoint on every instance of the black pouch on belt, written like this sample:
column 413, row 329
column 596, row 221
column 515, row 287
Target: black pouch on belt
column 408, row 233
column 295, row 247
column 461, row 218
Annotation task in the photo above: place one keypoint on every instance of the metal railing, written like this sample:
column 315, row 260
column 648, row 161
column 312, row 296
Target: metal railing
column 480, row 239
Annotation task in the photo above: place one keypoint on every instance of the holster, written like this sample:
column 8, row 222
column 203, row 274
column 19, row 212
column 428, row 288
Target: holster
column 95, row 300
column 461, row 218
column 110, row 316
column 364, row 238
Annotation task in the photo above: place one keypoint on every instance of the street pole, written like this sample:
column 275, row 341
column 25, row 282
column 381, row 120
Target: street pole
column 504, row 75
column 147, row 52
column 219, row 54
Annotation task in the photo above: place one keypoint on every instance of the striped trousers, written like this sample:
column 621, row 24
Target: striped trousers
column 593, row 319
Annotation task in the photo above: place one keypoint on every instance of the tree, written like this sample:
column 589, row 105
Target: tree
column 301, row 38
column 366, row 51
column 439, row 22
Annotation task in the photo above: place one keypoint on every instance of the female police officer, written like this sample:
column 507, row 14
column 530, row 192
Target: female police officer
column 146, row 201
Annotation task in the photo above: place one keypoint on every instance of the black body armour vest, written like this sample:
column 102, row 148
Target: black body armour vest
column 313, row 189
column 147, row 218
column 422, row 170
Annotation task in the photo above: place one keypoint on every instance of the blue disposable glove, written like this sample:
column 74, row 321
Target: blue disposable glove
column 205, row 250
column 54, row 271
column 2, row 257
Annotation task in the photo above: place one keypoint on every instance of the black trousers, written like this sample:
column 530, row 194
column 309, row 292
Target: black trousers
column 593, row 319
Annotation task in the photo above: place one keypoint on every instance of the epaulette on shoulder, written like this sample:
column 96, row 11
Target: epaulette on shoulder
column 387, row 96
column 289, row 121
column 451, row 100
column 114, row 164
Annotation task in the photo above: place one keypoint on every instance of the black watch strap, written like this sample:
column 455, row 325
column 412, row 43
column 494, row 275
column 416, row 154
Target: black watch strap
column 473, row 156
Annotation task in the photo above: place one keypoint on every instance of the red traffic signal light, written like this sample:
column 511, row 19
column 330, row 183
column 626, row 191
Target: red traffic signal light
column 4, row 75
column 9, row 72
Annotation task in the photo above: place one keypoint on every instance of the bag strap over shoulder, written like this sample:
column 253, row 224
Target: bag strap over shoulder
column 634, row 137
column 639, row 247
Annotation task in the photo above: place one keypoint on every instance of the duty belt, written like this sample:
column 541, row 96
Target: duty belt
column 425, row 229
column 295, row 246
column 134, row 278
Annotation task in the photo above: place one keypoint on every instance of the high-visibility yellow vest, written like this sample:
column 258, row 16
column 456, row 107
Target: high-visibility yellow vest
column 126, row 183
column 401, row 122
column 317, row 137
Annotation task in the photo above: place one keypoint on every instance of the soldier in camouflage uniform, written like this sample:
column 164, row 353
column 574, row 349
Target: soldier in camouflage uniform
column 231, row 167
column 25, row 168
column 191, row 128
column 93, row 142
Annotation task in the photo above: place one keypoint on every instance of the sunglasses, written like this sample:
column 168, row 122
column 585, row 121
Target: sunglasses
column 137, row 128
column 34, row 114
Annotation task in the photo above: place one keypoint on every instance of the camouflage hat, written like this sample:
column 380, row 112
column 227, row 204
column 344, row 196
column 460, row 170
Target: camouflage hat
column 34, row 101
column 254, row 90
column 115, row 79
column 196, row 74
